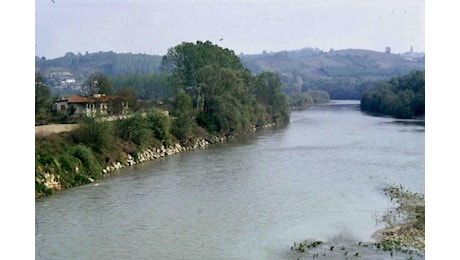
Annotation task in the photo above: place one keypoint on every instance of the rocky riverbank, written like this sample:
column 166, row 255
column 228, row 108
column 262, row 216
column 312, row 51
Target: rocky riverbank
column 51, row 180
column 403, row 238
column 406, row 222
column 155, row 153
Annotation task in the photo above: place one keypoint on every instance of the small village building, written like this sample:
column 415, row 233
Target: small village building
column 91, row 106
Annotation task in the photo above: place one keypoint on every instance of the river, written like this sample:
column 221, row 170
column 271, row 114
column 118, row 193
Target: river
column 320, row 177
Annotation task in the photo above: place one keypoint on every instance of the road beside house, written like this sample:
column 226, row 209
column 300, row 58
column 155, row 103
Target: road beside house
column 44, row 130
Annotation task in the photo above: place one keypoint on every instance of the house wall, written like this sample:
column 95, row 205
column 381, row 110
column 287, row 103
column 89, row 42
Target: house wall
column 96, row 109
column 88, row 109
column 61, row 106
column 64, row 107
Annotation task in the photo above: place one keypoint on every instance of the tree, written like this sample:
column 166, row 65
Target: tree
column 98, row 83
column 224, row 99
column 300, row 100
column 134, row 129
column 268, row 92
column 185, row 60
column 126, row 94
column 160, row 125
column 43, row 101
column 183, row 123
column 98, row 135
column 319, row 96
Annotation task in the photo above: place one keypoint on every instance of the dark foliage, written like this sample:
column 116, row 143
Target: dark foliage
column 401, row 97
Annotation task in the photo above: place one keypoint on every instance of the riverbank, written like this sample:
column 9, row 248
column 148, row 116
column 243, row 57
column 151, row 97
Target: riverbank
column 406, row 222
column 403, row 238
column 65, row 165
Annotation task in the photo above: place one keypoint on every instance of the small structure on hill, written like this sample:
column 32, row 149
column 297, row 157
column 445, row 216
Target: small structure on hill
column 91, row 106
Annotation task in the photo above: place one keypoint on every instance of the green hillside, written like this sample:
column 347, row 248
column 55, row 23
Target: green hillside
column 344, row 74
column 79, row 67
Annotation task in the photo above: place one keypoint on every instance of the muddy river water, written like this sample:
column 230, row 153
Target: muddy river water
column 322, row 177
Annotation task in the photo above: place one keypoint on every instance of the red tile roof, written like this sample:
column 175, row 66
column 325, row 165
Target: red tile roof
column 80, row 99
column 77, row 99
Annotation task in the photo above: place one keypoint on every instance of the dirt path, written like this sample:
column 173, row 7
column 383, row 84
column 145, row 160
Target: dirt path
column 44, row 130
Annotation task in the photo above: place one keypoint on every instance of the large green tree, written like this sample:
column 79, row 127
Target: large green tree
column 268, row 92
column 185, row 60
column 224, row 99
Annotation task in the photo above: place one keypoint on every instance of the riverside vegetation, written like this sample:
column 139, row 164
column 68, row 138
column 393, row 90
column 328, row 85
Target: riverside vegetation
column 401, row 97
column 213, row 98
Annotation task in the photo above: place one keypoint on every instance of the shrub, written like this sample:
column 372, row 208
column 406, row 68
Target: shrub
column 42, row 190
column 66, row 162
column 95, row 134
column 134, row 129
column 207, row 121
column 160, row 126
column 88, row 160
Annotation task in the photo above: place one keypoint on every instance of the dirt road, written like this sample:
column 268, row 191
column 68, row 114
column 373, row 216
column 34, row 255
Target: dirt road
column 44, row 130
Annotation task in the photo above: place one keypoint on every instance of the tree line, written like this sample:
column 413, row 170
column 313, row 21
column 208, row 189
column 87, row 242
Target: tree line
column 108, row 63
column 401, row 97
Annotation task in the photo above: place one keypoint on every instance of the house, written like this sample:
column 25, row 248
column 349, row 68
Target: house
column 91, row 106
column 67, row 81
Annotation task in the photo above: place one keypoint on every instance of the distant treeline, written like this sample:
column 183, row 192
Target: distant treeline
column 108, row 63
column 401, row 97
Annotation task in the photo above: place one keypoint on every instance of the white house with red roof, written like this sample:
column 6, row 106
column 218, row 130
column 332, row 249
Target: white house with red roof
column 96, row 105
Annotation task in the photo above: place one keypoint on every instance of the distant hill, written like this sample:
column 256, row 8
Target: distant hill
column 344, row 74
column 68, row 73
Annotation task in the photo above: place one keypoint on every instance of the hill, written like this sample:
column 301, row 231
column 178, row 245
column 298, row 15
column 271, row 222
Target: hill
column 344, row 74
column 68, row 73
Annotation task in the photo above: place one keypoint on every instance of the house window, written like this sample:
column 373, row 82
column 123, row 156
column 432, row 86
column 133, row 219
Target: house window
column 62, row 108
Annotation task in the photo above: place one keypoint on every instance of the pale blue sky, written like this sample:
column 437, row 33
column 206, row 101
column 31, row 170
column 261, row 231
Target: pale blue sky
column 153, row 26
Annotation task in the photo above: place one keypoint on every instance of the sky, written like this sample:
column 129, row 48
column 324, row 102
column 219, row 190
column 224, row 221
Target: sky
column 251, row 26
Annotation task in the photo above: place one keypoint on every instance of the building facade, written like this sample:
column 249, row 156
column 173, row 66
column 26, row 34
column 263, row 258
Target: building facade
column 92, row 106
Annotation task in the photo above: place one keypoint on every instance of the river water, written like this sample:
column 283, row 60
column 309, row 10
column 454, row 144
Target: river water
column 320, row 177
